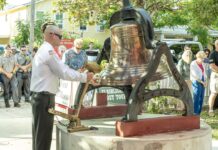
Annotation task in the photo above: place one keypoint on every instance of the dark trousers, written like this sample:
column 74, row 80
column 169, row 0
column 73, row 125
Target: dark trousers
column 10, row 83
column 42, row 121
column 25, row 83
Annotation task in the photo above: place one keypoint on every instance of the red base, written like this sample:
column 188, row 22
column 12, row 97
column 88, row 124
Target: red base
column 98, row 111
column 157, row 125
column 101, row 99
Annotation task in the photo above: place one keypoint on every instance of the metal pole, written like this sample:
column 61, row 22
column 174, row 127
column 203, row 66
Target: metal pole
column 32, row 19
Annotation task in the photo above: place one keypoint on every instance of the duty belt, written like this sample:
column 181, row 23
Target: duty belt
column 44, row 93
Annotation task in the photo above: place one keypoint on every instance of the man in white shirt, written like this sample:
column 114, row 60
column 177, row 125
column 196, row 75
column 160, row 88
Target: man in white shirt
column 47, row 69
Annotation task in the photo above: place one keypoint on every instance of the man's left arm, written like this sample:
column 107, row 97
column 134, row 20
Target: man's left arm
column 29, row 65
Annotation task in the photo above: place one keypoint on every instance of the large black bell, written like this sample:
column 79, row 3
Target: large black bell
column 129, row 57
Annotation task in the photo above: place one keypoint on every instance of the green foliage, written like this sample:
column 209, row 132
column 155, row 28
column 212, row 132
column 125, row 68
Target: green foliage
column 38, row 39
column 205, row 11
column 2, row 3
column 177, row 14
column 197, row 15
column 86, row 10
column 22, row 38
column 23, row 28
column 71, row 35
column 86, row 42
column 201, row 33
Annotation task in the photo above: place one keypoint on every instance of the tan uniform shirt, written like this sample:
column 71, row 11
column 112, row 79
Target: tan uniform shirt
column 47, row 69
column 8, row 63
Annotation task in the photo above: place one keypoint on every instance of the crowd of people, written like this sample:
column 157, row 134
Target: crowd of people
column 200, row 73
column 15, row 68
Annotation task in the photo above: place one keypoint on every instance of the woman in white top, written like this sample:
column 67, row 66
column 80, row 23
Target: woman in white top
column 198, row 77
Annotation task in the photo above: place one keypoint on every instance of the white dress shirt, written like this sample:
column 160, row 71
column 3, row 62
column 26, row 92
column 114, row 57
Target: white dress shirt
column 47, row 69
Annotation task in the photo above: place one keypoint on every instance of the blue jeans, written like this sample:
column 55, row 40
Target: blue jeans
column 198, row 96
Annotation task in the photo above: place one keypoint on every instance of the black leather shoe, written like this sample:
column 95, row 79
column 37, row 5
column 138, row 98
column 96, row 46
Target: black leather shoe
column 16, row 105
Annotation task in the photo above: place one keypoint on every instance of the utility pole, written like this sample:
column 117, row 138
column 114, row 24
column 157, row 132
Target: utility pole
column 32, row 20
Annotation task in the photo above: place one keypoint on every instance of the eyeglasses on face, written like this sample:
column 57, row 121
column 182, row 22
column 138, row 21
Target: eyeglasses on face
column 58, row 35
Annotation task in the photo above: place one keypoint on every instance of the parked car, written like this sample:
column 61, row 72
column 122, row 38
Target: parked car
column 2, row 47
column 92, row 54
column 178, row 46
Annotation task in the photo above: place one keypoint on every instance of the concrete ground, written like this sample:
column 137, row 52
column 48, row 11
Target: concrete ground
column 15, row 128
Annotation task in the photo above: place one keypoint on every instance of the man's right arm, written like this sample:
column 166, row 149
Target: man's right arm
column 64, row 72
column 214, row 67
column 8, row 74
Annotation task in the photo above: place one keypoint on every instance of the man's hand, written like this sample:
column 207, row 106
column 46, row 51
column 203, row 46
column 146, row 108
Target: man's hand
column 24, row 68
column 90, row 76
column 82, row 70
column 205, row 84
column 9, row 75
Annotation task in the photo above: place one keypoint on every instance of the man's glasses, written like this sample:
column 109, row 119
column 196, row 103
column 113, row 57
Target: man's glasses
column 58, row 35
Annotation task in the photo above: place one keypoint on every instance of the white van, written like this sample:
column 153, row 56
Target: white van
column 178, row 46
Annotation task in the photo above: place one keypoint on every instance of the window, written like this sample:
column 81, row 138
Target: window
column 59, row 20
column 100, row 27
column 83, row 27
column 179, row 47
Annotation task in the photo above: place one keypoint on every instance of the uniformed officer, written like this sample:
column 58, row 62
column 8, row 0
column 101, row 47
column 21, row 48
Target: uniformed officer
column 47, row 69
column 23, row 73
column 8, row 69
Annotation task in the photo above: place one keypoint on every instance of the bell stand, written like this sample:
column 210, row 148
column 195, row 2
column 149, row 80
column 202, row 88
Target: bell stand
column 131, row 126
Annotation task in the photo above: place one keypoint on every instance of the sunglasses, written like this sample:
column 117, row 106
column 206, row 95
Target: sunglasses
column 58, row 35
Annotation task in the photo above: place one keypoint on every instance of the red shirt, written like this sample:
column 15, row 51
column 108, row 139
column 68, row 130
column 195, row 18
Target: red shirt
column 202, row 68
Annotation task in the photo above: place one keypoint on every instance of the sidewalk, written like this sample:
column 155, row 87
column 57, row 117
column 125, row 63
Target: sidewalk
column 15, row 128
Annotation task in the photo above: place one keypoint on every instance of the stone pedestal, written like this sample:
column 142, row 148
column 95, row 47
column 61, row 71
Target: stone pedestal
column 105, row 139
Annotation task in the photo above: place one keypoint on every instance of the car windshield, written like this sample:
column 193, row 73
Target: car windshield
column 1, row 50
column 178, row 48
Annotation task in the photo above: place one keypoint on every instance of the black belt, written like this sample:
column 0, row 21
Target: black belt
column 22, row 72
column 44, row 93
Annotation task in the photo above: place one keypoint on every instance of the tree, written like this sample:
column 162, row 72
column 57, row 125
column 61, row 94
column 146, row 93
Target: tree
column 205, row 12
column 198, row 15
column 23, row 36
column 2, row 3
column 83, row 11
column 204, row 17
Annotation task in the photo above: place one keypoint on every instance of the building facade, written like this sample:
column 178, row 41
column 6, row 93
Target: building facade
column 10, row 15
